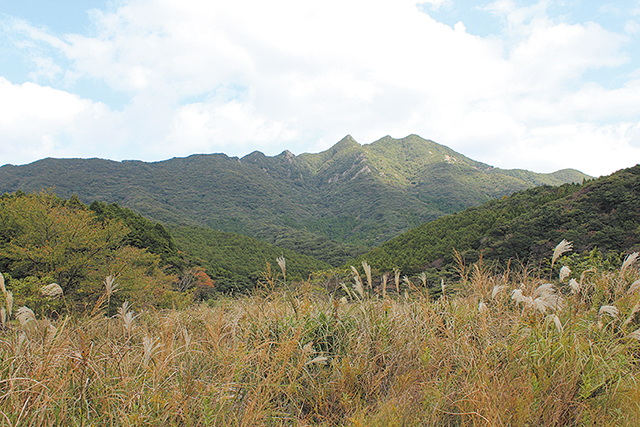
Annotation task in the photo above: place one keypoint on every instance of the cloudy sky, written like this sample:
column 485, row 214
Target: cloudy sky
column 540, row 85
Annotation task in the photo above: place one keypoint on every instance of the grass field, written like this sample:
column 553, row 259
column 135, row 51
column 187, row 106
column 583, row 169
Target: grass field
column 499, row 349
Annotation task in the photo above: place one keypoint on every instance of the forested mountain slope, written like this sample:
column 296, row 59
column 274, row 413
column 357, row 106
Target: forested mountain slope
column 343, row 200
column 602, row 213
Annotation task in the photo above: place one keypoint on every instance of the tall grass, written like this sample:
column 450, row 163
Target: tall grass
column 480, row 355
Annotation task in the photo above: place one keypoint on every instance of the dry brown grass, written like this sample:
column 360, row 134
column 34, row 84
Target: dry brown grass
column 303, row 358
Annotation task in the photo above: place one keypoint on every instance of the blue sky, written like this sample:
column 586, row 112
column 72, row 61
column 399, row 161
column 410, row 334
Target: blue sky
column 540, row 85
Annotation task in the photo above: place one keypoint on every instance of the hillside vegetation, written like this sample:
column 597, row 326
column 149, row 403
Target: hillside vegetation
column 507, row 348
column 45, row 239
column 603, row 213
column 346, row 199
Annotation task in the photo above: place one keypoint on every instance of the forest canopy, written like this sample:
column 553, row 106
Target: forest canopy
column 45, row 239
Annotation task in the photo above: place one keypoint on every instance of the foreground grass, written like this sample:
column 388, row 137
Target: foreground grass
column 482, row 355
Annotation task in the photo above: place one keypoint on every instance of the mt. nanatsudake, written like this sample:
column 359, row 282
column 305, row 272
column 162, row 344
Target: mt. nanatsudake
column 350, row 194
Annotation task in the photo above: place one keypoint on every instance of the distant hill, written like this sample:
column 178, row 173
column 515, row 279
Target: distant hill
column 331, row 205
column 602, row 213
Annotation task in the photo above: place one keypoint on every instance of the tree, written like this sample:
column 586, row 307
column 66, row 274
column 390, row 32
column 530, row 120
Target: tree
column 44, row 238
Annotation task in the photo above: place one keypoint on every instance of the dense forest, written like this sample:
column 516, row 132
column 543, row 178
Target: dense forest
column 602, row 214
column 46, row 239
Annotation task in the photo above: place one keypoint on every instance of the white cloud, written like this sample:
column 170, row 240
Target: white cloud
column 238, row 76
column 38, row 121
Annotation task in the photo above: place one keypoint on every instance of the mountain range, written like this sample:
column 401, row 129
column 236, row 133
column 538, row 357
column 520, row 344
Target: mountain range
column 331, row 205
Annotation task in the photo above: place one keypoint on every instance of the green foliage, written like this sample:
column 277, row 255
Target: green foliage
column 603, row 213
column 45, row 239
column 344, row 199
column 143, row 233
column 236, row 262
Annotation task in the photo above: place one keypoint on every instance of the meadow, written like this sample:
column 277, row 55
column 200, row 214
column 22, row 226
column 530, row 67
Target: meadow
column 509, row 347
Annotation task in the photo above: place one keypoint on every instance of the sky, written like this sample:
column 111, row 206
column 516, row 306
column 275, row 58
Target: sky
column 537, row 85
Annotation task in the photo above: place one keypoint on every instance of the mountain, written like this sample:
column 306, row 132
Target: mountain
column 603, row 213
column 331, row 205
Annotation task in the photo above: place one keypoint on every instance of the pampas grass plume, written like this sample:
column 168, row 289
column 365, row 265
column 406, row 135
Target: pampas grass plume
column 25, row 315
column 496, row 290
column 575, row 286
column 610, row 310
column 635, row 335
column 358, row 282
column 9, row 298
column 562, row 247
column 149, row 345
column 110, row 286
column 556, row 321
column 282, row 263
column 628, row 261
column 482, row 308
column 319, row 359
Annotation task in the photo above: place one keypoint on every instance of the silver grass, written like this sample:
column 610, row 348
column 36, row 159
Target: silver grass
column 407, row 282
column 346, row 289
column 634, row 311
column 497, row 289
column 540, row 305
column 4, row 290
column 22, row 338
column 575, row 286
column 319, row 359
column 358, row 282
column 51, row 332
column 556, row 320
column 546, row 296
column 3, row 317
column 110, row 286
column 608, row 309
column 544, row 290
column 562, row 247
column 635, row 335
column 25, row 315
column 343, row 300
column 554, row 302
column 367, row 271
column 482, row 308
column 423, row 279
column 519, row 297
column 127, row 317
column 308, row 348
column 283, row 266
column 150, row 346
column 9, row 298
column 628, row 261
column 564, row 273
column 634, row 287
column 385, row 278
column 187, row 338
column 52, row 290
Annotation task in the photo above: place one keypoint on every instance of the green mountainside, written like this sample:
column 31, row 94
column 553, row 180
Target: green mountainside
column 236, row 262
column 603, row 213
column 44, row 237
column 331, row 205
